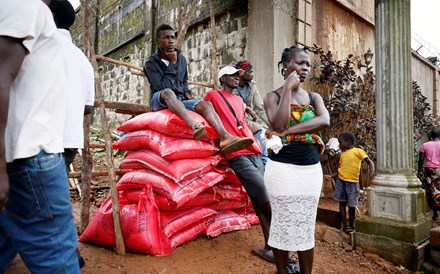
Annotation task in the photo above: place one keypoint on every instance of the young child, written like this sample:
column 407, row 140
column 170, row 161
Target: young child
column 347, row 178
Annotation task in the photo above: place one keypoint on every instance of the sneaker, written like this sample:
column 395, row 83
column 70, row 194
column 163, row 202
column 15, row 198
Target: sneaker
column 268, row 255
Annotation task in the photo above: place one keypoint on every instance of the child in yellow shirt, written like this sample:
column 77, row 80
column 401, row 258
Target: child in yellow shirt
column 347, row 178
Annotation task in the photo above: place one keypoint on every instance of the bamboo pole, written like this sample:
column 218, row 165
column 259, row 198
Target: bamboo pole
column 120, row 245
column 214, row 63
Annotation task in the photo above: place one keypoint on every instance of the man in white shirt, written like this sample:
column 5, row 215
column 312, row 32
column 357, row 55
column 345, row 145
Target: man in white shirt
column 80, row 81
column 36, row 219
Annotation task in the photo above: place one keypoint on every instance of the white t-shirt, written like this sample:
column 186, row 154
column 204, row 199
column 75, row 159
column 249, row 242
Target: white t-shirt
column 80, row 90
column 37, row 97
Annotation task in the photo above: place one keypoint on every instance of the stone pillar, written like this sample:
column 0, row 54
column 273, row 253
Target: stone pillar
column 396, row 228
column 271, row 28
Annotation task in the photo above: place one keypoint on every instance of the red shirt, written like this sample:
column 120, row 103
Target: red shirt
column 229, row 121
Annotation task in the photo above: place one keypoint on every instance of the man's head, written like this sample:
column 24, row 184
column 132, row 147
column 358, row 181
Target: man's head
column 229, row 77
column 248, row 70
column 435, row 134
column 63, row 13
column 165, row 37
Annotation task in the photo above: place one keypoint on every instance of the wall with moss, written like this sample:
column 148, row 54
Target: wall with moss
column 124, row 30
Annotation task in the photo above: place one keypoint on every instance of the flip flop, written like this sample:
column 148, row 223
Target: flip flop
column 199, row 131
column 268, row 255
column 236, row 145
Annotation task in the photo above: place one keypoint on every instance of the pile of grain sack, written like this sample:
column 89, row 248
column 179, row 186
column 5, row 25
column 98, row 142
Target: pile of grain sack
column 177, row 190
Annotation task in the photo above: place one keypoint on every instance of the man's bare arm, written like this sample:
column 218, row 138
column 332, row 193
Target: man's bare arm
column 12, row 53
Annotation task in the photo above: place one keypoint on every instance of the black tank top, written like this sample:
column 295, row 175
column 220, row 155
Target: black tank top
column 297, row 153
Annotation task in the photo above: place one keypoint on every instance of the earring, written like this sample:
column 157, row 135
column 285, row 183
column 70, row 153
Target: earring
column 283, row 72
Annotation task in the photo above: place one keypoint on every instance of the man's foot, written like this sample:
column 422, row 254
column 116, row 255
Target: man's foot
column 234, row 144
column 293, row 268
column 348, row 229
column 199, row 131
column 267, row 254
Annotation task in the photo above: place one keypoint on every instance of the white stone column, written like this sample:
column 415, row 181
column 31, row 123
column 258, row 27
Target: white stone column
column 395, row 186
column 396, row 228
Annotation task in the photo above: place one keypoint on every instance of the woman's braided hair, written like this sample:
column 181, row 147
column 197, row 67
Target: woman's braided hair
column 287, row 55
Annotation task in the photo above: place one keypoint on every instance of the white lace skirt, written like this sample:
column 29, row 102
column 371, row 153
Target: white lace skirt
column 294, row 193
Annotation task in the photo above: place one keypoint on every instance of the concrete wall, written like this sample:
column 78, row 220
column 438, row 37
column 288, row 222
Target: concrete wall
column 125, row 31
column 257, row 30
column 427, row 76
column 344, row 27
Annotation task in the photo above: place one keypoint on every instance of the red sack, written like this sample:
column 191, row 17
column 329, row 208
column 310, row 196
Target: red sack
column 228, row 191
column 180, row 193
column 249, row 214
column 225, row 221
column 141, row 227
column 101, row 230
column 168, row 123
column 131, row 195
column 188, row 234
column 203, row 199
column 230, row 176
column 139, row 178
column 170, row 148
column 174, row 222
column 139, row 222
column 177, row 170
column 230, row 204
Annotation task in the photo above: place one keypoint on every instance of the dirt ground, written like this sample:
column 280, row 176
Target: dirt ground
column 228, row 253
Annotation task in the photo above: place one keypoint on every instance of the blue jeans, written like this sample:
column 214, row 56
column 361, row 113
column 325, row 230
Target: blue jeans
column 259, row 136
column 156, row 104
column 38, row 222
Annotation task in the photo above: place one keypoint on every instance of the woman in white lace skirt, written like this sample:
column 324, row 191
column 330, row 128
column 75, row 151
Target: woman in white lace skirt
column 293, row 176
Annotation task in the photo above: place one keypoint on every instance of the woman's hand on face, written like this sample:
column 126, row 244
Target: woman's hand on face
column 292, row 81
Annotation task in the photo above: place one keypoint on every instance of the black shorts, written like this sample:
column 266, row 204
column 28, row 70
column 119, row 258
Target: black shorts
column 250, row 171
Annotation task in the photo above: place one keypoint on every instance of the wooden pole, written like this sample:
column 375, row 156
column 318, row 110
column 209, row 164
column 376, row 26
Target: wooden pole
column 139, row 70
column 120, row 245
column 179, row 16
column 117, row 62
column 99, row 173
column 182, row 31
column 86, row 178
column 214, row 64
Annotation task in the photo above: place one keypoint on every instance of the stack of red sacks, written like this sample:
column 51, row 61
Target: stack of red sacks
column 178, row 188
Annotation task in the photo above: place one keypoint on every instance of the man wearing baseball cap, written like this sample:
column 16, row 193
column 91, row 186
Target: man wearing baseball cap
column 246, row 163
column 256, row 115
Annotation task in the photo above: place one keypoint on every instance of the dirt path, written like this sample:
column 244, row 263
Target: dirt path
column 229, row 253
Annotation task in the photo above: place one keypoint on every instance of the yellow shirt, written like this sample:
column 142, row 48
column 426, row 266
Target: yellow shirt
column 350, row 164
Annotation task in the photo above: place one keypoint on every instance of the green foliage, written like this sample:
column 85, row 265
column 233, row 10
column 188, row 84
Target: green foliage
column 350, row 99
column 349, row 95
